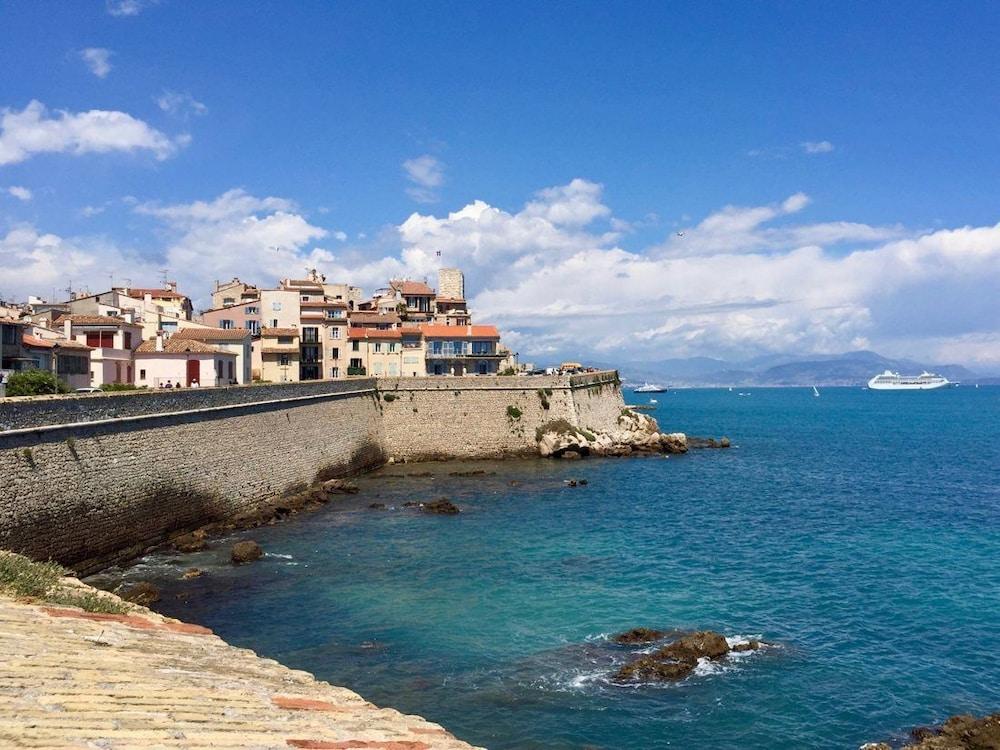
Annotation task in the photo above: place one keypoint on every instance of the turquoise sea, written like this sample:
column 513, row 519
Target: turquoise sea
column 858, row 531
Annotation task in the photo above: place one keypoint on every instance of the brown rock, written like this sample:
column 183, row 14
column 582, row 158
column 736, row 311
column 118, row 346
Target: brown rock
column 190, row 543
column 638, row 635
column 339, row 487
column 649, row 668
column 752, row 645
column 570, row 455
column 142, row 593
column 192, row 573
column 377, row 506
column 442, row 506
column 724, row 443
column 675, row 660
column 245, row 551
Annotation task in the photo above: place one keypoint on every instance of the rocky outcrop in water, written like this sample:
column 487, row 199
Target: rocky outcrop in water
column 638, row 636
column 442, row 506
column 963, row 732
column 245, row 551
column 635, row 433
column 339, row 487
column 142, row 593
column 676, row 660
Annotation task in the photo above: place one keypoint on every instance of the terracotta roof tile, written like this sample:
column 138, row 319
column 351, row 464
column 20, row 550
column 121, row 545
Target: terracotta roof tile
column 173, row 345
column 460, row 332
column 140, row 292
column 367, row 317
column 271, row 332
column 95, row 320
column 213, row 334
column 411, row 287
column 374, row 333
column 40, row 343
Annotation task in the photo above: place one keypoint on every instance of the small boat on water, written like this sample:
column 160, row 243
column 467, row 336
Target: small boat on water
column 815, row 391
column 651, row 388
column 893, row 381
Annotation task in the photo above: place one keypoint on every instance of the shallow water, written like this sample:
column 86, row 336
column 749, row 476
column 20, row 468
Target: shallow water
column 858, row 530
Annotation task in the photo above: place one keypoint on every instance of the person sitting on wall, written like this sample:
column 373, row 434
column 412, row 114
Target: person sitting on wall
column 168, row 384
column 177, row 384
column 194, row 383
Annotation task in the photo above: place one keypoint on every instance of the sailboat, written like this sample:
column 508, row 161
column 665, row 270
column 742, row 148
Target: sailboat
column 815, row 391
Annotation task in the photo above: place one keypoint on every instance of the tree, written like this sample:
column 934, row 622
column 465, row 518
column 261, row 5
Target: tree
column 34, row 383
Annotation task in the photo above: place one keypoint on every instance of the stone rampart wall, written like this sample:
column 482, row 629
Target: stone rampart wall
column 93, row 480
column 482, row 417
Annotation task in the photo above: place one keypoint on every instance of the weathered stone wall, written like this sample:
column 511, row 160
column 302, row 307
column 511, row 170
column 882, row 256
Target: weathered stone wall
column 93, row 480
column 480, row 417
column 91, row 494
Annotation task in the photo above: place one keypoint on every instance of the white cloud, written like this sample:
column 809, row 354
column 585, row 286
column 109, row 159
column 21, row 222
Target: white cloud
column 33, row 131
column 180, row 104
column 817, row 147
column 98, row 60
column 128, row 7
column 21, row 193
column 760, row 279
column 427, row 174
column 340, row 236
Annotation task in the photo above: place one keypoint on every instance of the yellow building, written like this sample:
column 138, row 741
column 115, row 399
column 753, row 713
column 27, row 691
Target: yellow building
column 279, row 354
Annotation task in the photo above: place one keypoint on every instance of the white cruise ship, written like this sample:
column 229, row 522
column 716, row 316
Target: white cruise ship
column 893, row 381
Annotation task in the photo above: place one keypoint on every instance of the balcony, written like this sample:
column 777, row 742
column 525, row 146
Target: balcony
column 356, row 371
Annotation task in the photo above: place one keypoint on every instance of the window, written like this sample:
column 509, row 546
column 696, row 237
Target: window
column 250, row 311
column 253, row 326
column 335, row 353
column 227, row 301
column 393, row 368
column 378, row 347
column 482, row 347
column 226, row 325
column 392, row 347
column 230, row 369
column 377, row 368
column 334, row 372
column 334, row 313
column 72, row 365
column 334, row 333
column 310, row 335
column 276, row 306
column 274, row 322
column 128, row 340
column 355, row 346
column 101, row 339
column 284, row 339
column 284, row 360
column 304, row 298
column 142, row 374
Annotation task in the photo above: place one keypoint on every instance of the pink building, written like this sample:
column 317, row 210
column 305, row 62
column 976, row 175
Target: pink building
column 241, row 315
column 160, row 361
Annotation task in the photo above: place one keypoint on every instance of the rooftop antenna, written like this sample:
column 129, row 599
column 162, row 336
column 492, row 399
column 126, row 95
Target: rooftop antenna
column 163, row 276
column 111, row 276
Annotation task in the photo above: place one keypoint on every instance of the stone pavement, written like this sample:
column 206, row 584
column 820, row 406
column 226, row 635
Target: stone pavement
column 73, row 679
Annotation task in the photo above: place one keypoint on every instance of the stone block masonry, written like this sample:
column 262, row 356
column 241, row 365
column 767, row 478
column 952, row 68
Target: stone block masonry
column 487, row 417
column 90, row 481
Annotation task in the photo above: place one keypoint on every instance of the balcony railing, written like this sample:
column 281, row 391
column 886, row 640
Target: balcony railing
column 356, row 371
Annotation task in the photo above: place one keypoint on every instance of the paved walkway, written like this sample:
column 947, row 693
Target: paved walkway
column 72, row 679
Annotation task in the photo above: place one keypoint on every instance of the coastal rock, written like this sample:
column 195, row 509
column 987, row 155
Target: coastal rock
column 634, row 433
column 339, row 487
column 189, row 543
column 962, row 732
column 638, row 635
column 377, row 506
column 701, row 442
column 245, row 551
column 441, row 506
column 142, row 593
column 192, row 573
column 570, row 455
column 675, row 660
column 674, row 442
column 752, row 645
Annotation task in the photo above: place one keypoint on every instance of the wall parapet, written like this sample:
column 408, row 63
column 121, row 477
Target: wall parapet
column 18, row 415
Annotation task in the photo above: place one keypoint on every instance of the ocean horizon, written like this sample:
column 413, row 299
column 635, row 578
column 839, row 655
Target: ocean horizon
column 857, row 534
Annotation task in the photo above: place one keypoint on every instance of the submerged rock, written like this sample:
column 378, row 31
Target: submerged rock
column 701, row 442
column 377, row 506
column 142, row 593
column 192, row 573
column 676, row 660
column 245, row 551
column 442, row 506
column 638, row 635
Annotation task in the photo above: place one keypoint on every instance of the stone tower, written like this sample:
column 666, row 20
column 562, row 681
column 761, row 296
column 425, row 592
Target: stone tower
column 451, row 283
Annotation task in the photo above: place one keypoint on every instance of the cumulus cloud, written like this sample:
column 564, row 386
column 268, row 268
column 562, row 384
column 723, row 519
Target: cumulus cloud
column 554, row 276
column 427, row 175
column 21, row 193
column 817, row 147
column 98, row 60
column 34, row 130
column 125, row 8
column 180, row 104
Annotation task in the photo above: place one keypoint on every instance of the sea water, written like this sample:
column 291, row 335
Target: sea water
column 858, row 532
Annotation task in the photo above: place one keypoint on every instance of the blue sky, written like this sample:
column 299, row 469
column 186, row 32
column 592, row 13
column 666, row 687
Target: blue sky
column 834, row 168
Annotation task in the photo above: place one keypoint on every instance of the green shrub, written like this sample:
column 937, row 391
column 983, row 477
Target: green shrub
column 35, row 383
column 513, row 413
column 25, row 579
column 120, row 387
column 389, row 397
column 508, row 371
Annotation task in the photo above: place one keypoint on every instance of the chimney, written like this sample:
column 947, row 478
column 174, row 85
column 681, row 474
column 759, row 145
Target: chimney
column 68, row 328
column 159, row 340
column 171, row 286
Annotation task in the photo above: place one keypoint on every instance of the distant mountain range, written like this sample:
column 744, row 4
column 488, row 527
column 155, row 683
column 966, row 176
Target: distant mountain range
column 849, row 368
